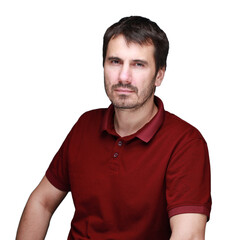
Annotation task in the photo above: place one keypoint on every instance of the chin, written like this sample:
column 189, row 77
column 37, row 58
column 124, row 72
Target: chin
column 124, row 104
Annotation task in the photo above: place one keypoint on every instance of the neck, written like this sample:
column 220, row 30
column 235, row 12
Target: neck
column 129, row 121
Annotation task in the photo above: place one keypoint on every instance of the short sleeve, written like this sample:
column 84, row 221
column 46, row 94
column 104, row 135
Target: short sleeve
column 188, row 179
column 57, row 173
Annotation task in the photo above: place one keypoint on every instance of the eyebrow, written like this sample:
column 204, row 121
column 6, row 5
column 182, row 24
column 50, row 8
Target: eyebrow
column 113, row 58
column 134, row 60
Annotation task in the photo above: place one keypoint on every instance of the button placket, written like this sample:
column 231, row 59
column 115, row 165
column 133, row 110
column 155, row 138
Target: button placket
column 120, row 143
column 116, row 156
column 117, row 148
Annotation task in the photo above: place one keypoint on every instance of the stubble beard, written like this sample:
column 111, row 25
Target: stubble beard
column 124, row 101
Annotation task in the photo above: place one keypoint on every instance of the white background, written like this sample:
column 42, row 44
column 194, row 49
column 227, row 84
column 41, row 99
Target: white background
column 51, row 72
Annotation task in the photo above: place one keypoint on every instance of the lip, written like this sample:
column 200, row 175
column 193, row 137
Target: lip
column 123, row 90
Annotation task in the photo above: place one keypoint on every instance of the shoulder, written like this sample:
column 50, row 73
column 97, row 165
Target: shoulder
column 89, row 120
column 96, row 114
column 180, row 130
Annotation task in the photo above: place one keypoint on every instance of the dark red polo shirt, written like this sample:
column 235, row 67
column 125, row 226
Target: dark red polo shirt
column 127, row 188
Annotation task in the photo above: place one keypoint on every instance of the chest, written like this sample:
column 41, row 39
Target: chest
column 110, row 171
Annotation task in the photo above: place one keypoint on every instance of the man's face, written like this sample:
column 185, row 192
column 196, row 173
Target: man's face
column 129, row 73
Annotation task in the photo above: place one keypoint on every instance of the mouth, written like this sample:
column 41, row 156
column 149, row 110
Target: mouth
column 123, row 90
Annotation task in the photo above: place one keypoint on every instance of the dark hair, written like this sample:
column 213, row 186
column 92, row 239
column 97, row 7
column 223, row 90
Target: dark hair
column 140, row 30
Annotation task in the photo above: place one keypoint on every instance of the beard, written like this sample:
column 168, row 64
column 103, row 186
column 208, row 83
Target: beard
column 134, row 100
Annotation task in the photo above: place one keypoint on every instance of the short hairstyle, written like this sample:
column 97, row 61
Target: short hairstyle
column 143, row 31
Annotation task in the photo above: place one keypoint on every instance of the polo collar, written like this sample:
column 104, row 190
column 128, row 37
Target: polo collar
column 146, row 133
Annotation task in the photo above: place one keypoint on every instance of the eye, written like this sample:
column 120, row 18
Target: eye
column 114, row 61
column 139, row 64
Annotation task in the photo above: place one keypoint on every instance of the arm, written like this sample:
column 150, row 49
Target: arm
column 38, row 211
column 188, row 226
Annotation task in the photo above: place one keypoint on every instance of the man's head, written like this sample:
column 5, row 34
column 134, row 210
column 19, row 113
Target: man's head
column 134, row 59
column 143, row 31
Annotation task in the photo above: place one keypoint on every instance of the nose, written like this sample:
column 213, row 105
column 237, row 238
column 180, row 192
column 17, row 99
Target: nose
column 125, row 74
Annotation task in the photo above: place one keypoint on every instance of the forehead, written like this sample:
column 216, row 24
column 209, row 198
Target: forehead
column 119, row 47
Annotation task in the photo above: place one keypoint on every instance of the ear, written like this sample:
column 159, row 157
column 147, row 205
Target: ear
column 159, row 76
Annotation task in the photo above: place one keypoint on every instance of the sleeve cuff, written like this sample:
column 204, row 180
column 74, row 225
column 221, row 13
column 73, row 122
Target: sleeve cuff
column 55, row 182
column 189, row 209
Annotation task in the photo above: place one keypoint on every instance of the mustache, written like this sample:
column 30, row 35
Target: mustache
column 128, row 86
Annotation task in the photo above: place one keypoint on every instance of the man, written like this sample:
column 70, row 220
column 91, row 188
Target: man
column 135, row 171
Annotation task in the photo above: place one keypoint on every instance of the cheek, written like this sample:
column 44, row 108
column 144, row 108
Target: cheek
column 143, row 80
column 109, row 81
column 110, row 76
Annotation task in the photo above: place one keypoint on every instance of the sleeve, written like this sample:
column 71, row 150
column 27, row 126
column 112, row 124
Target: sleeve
column 57, row 173
column 188, row 179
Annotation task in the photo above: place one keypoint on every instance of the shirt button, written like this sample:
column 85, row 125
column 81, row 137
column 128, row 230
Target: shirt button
column 120, row 143
column 116, row 155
